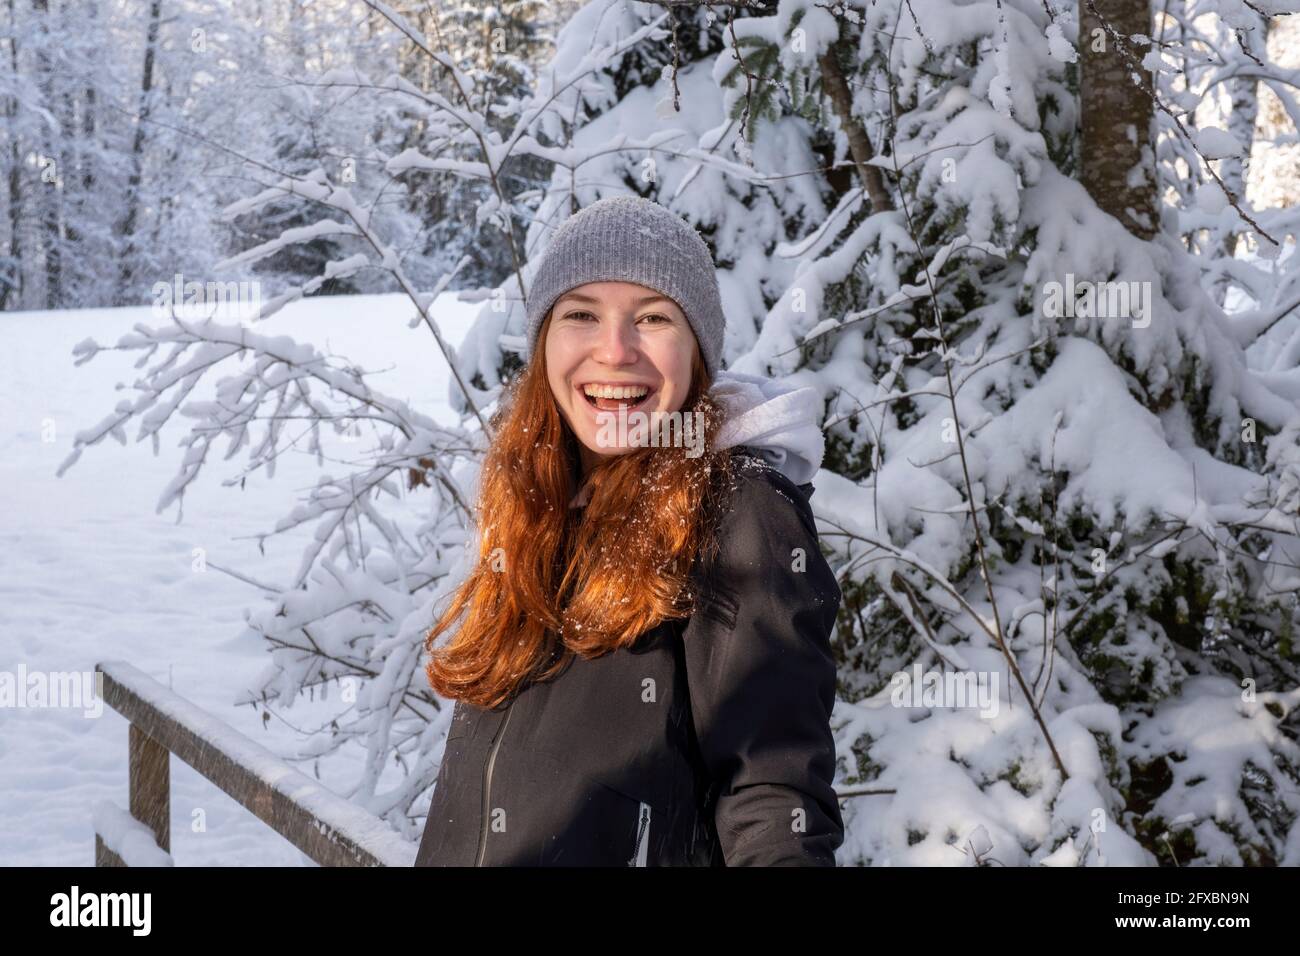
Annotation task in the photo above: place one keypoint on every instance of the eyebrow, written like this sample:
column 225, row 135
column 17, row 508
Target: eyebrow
column 580, row 297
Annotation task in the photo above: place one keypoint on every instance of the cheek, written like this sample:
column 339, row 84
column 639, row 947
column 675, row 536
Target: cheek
column 682, row 379
column 682, row 387
column 557, row 393
column 558, row 361
column 562, row 351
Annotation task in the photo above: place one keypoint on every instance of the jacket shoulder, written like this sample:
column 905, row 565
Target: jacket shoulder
column 751, row 461
column 765, row 525
column 763, row 498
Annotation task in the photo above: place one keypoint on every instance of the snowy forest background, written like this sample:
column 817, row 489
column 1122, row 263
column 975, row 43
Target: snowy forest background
column 1103, row 509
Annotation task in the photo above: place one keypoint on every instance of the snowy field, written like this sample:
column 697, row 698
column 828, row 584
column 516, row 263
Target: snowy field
column 89, row 571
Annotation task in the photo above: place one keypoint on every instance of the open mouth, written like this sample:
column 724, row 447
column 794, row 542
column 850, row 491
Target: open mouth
column 605, row 399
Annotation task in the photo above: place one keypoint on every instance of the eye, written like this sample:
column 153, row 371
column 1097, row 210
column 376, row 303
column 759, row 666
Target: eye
column 577, row 315
column 656, row 315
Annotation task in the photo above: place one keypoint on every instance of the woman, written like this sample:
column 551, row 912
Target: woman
column 643, row 674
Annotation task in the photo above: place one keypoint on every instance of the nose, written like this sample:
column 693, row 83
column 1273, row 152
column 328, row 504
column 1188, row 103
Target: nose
column 617, row 343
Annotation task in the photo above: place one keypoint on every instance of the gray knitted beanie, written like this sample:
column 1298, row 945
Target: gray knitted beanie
column 631, row 239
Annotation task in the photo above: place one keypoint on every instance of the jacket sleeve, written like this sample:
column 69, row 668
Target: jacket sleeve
column 761, row 676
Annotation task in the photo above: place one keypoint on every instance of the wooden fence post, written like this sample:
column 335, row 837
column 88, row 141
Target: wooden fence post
column 150, row 780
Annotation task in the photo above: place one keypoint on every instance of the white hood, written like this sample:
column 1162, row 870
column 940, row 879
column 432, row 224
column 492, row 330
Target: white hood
column 779, row 421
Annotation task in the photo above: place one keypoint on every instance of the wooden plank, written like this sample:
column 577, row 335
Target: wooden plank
column 150, row 789
column 122, row 840
column 330, row 830
column 103, row 855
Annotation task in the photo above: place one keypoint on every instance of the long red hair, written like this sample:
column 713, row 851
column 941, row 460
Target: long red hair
column 550, row 580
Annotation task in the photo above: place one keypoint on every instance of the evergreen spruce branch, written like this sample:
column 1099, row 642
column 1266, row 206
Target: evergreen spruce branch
column 980, row 551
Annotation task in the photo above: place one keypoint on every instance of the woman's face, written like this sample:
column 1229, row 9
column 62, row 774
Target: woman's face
column 616, row 334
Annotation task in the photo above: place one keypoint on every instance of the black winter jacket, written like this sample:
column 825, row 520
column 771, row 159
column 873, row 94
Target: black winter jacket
column 707, row 743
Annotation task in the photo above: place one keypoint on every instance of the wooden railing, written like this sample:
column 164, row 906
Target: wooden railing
column 329, row 829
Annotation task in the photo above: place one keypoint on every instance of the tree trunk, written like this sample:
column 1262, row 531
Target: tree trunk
column 1244, row 105
column 1118, row 161
column 49, row 193
column 11, row 288
column 88, row 117
column 841, row 97
column 129, row 220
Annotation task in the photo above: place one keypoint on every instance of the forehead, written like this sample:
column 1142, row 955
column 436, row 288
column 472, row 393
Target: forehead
column 626, row 293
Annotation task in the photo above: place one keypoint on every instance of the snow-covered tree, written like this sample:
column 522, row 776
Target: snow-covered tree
column 105, row 191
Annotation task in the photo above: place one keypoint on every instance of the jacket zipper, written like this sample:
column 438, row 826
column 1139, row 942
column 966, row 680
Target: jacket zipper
column 487, row 786
column 642, row 838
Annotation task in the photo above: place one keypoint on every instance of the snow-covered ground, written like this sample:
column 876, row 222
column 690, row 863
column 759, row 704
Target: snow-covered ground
column 89, row 571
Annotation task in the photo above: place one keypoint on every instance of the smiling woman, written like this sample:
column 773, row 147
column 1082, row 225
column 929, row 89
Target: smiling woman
column 643, row 675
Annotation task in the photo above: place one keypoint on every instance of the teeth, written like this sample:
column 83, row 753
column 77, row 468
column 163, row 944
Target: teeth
column 611, row 391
